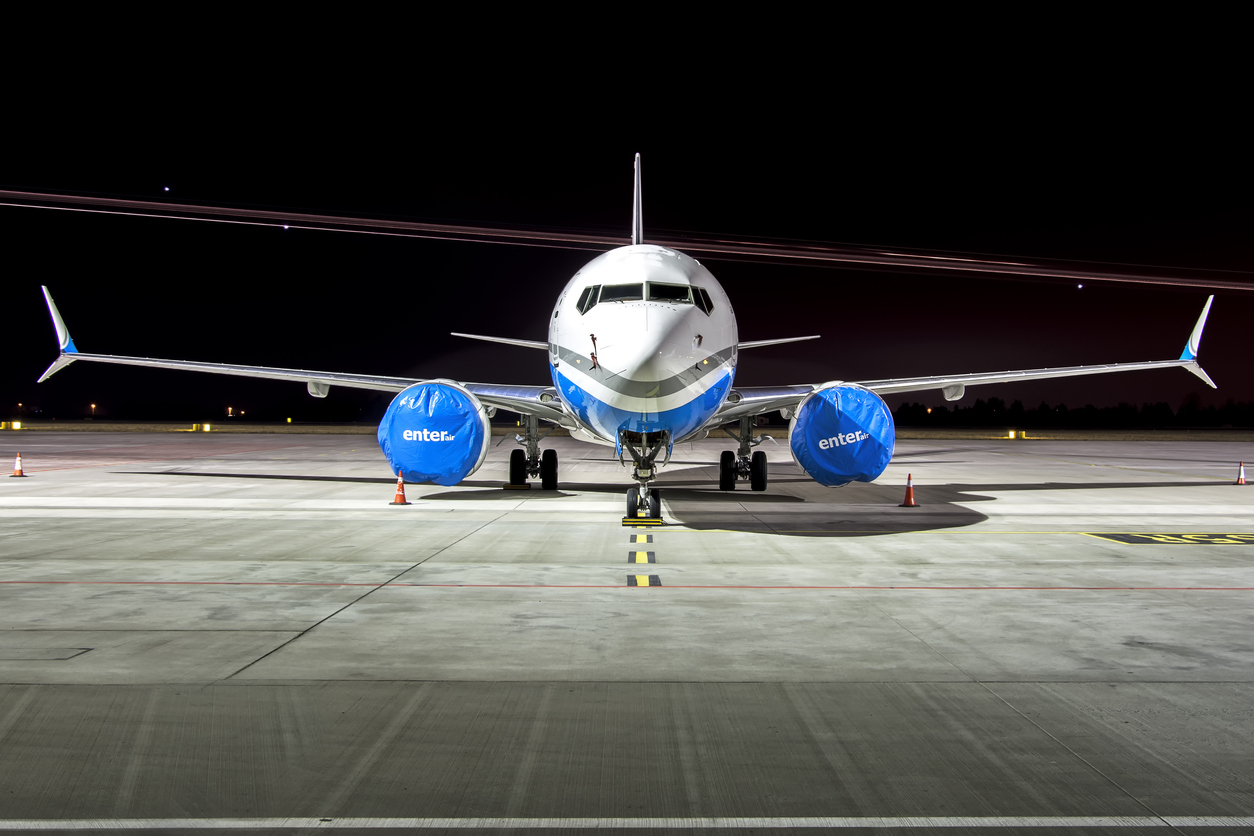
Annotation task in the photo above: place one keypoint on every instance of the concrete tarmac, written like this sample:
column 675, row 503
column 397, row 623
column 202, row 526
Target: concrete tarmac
column 203, row 627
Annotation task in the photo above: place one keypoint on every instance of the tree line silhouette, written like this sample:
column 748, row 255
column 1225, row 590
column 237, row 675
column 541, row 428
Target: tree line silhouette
column 994, row 412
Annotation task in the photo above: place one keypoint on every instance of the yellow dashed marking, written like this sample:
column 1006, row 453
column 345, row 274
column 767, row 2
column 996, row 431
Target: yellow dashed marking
column 1141, row 537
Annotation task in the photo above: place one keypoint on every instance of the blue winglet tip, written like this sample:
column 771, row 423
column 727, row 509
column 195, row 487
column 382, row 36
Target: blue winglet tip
column 70, row 348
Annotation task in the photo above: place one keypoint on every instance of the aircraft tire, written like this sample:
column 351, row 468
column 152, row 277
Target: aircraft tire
column 517, row 467
column 633, row 502
column 727, row 471
column 548, row 470
column 757, row 471
column 655, row 503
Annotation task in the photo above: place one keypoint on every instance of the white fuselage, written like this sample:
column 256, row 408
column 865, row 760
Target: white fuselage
column 665, row 352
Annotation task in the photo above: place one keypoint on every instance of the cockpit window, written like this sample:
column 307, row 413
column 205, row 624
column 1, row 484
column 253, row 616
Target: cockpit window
column 587, row 299
column 673, row 293
column 622, row 293
column 702, row 298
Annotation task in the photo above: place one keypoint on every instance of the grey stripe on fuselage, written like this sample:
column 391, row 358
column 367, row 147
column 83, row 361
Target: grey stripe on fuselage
column 643, row 389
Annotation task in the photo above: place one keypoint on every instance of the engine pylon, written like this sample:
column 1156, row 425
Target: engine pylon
column 1240, row 472
column 17, row 467
column 400, row 491
column 909, row 500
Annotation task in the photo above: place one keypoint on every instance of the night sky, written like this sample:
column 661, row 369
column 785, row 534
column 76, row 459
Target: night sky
column 1063, row 169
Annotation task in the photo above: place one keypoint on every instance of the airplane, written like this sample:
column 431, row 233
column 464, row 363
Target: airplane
column 642, row 354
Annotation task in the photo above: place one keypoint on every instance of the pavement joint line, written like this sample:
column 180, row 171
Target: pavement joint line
column 629, row 823
column 1111, row 466
column 394, row 583
column 403, row 572
column 1092, row 767
column 1131, row 795
column 1034, row 724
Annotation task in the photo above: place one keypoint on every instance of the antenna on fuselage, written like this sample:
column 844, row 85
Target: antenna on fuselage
column 637, row 221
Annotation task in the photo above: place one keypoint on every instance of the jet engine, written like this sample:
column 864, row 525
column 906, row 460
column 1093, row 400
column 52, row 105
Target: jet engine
column 435, row 432
column 842, row 433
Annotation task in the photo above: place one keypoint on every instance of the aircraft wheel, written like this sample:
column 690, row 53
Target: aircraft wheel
column 727, row 471
column 757, row 471
column 655, row 504
column 633, row 502
column 517, row 467
column 548, row 470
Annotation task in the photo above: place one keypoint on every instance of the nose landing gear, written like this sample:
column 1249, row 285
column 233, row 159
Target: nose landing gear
column 644, row 449
column 531, row 462
column 742, row 465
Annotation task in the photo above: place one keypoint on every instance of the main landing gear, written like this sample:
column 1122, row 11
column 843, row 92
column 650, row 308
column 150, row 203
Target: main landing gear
column 531, row 462
column 644, row 449
column 741, row 465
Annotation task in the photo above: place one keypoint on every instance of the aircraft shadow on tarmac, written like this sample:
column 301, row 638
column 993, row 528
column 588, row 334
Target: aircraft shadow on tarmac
column 858, row 510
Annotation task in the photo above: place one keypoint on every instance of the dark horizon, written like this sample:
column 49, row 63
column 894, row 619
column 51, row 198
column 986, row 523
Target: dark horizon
column 354, row 302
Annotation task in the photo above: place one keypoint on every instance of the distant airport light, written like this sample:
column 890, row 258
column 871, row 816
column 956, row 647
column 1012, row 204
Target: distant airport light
column 929, row 410
column 17, row 425
column 289, row 420
column 1080, row 285
column 1012, row 433
column 93, row 410
column 167, row 188
column 228, row 412
column 206, row 428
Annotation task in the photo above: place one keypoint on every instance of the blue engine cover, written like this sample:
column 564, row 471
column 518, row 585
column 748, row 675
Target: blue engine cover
column 843, row 434
column 435, row 432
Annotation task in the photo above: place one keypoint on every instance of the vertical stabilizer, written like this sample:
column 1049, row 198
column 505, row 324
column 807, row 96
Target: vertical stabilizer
column 637, row 221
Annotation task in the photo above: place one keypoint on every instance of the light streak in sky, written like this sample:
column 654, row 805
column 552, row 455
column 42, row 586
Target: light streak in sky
column 707, row 246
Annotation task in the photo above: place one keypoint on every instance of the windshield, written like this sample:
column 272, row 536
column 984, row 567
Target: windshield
column 703, row 300
column 622, row 293
column 587, row 299
column 673, row 293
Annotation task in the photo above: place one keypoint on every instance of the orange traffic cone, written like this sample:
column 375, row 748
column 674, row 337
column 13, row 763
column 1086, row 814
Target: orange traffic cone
column 17, row 467
column 909, row 502
column 400, row 491
column 1240, row 471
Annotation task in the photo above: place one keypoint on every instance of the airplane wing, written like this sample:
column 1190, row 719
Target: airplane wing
column 540, row 401
column 755, row 400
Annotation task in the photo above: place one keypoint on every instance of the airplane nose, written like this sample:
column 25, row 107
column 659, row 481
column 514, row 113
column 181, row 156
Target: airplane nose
column 659, row 352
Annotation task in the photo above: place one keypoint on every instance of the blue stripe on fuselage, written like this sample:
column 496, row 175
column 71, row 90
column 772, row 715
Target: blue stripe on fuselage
column 606, row 420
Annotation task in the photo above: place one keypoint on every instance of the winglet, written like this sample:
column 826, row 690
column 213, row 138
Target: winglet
column 637, row 221
column 68, row 350
column 1195, row 339
column 63, row 334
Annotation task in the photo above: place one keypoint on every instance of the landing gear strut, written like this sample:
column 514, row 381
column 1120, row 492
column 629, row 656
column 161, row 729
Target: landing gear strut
column 644, row 449
column 742, row 465
column 531, row 462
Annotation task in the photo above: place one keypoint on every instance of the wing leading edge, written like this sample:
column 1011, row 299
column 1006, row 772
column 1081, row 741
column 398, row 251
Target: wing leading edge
column 540, row 401
column 755, row 400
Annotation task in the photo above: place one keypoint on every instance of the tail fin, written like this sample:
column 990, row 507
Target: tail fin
column 637, row 220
